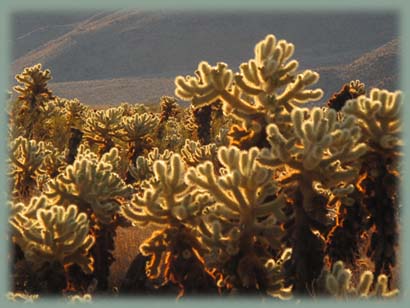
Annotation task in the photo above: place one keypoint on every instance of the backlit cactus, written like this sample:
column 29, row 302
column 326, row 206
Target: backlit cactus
column 321, row 151
column 379, row 118
column 104, row 128
column 33, row 93
column 194, row 153
column 265, row 90
column 339, row 284
column 55, row 234
column 26, row 164
column 143, row 169
column 130, row 110
column 250, row 190
column 140, row 125
column 244, row 216
column 138, row 130
column 75, row 112
column 22, row 297
column 91, row 184
column 24, row 214
column 166, row 201
column 320, row 162
column 176, row 208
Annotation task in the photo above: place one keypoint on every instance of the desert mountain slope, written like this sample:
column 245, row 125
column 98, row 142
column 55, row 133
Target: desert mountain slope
column 31, row 30
column 126, row 44
column 378, row 68
column 109, row 57
column 110, row 92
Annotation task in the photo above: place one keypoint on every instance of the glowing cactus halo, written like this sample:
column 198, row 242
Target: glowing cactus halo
column 53, row 233
column 379, row 117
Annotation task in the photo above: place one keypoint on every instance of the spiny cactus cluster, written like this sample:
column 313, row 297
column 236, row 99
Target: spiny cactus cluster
column 247, row 191
column 56, row 234
column 338, row 283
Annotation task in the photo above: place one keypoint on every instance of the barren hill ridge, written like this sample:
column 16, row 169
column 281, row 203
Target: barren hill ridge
column 109, row 57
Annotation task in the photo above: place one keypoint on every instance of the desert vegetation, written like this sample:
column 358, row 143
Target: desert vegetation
column 245, row 192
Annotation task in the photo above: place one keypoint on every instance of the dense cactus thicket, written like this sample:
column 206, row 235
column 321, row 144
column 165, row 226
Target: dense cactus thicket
column 248, row 191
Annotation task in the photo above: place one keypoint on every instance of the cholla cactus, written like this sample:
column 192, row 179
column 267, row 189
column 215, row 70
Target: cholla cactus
column 254, row 95
column 33, row 94
column 275, row 271
column 30, row 160
column 53, row 128
column 140, row 125
column 338, row 283
column 243, row 217
column 105, row 127
column 54, row 240
column 56, row 234
column 378, row 116
column 27, row 162
column 321, row 152
column 118, row 158
column 173, row 134
column 80, row 299
column 357, row 88
column 92, row 184
column 54, row 162
column 143, row 170
column 169, row 109
column 189, row 122
column 130, row 110
column 22, row 297
column 22, row 214
column 194, row 153
column 138, row 129
column 75, row 113
column 174, row 203
column 174, row 251
column 34, row 85
column 37, row 114
column 349, row 91
column 319, row 165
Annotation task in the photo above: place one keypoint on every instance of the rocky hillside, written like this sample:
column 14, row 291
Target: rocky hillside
column 378, row 68
column 110, row 57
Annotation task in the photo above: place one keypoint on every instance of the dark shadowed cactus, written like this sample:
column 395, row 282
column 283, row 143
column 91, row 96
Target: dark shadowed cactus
column 320, row 159
column 169, row 109
column 349, row 91
column 379, row 117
